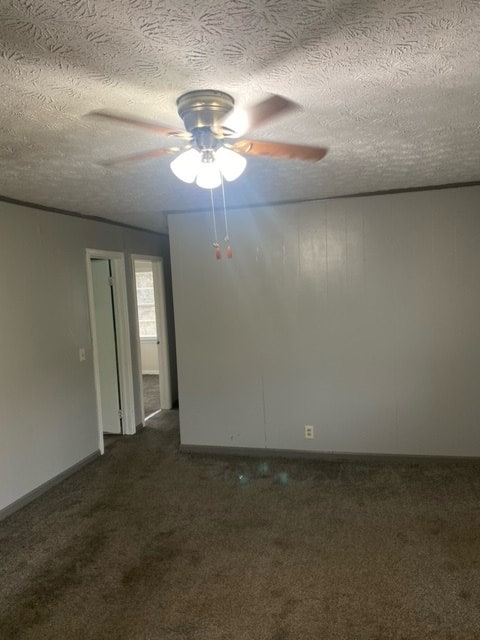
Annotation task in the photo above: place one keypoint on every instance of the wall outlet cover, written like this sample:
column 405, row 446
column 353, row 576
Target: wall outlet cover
column 309, row 432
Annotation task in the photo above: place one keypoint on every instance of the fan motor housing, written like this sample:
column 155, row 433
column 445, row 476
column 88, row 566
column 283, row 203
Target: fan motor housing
column 204, row 108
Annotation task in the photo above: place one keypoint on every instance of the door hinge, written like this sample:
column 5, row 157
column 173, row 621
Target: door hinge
column 120, row 414
column 110, row 280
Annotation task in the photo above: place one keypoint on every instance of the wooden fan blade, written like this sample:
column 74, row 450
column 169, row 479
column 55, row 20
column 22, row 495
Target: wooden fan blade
column 156, row 127
column 269, row 109
column 138, row 157
column 279, row 150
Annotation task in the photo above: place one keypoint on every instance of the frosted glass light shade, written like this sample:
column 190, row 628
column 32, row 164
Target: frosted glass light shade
column 186, row 165
column 208, row 175
column 230, row 163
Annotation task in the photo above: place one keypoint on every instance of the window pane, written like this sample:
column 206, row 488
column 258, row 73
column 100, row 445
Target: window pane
column 148, row 330
column 146, row 313
column 145, row 296
column 146, row 304
column 144, row 279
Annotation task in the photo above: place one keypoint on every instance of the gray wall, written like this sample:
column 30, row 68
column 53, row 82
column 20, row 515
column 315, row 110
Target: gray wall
column 48, row 418
column 360, row 316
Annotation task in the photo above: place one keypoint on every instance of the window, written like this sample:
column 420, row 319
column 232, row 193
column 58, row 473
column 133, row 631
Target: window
column 146, row 304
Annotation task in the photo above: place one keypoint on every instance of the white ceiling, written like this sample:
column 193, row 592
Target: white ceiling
column 392, row 88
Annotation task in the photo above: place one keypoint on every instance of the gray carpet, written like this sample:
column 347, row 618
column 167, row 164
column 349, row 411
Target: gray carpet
column 151, row 393
column 147, row 543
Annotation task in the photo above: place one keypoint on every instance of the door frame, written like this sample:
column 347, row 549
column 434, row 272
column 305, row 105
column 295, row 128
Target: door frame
column 165, row 380
column 120, row 305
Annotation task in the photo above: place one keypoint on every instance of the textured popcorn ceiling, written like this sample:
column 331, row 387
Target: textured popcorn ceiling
column 392, row 88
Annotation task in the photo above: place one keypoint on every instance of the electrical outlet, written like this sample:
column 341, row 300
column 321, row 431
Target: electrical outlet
column 309, row 432
column 81, row 355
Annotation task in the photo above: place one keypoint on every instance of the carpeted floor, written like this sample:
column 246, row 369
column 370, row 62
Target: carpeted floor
column 147, row 543
column 151, row 393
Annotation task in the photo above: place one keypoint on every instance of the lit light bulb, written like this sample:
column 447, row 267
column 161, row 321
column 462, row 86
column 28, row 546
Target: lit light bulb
column 230, row 163
column 185, row 166
column 208, row 175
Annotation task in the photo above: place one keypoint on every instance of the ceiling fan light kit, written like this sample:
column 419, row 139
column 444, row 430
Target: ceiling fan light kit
column 207, row 167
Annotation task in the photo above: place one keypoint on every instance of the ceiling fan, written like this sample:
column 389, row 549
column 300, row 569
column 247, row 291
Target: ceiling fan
column 211, row 149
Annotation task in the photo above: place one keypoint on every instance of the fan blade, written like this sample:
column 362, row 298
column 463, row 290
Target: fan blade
column 239, row 122
column 279, row 150
column 156, row 127
column 268, row 109
column 138, row 157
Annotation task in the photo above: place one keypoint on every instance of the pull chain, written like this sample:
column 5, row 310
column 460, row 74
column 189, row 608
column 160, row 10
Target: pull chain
column 228, row 249
column 216, row 246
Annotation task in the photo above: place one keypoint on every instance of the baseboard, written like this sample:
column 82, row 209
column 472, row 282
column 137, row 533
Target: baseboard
column 35, row 493
column 253, row 452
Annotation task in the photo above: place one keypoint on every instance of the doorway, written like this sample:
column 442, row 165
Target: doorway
column 110, row 343
column 152, row 336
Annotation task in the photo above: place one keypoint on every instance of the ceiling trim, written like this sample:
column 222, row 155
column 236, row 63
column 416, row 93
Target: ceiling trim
column 364, row 194
column 76, row 214
column 84, row 216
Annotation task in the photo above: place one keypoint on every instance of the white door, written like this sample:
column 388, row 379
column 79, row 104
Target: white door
column 106, row 346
